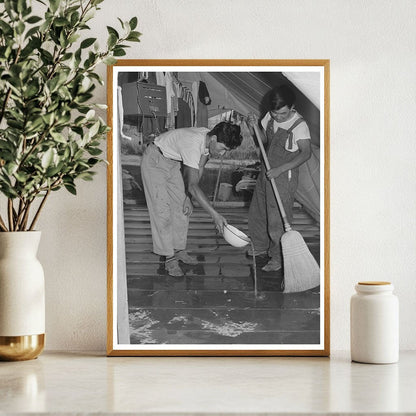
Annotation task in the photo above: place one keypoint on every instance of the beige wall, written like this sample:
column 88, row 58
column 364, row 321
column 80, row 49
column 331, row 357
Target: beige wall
column 373, row 152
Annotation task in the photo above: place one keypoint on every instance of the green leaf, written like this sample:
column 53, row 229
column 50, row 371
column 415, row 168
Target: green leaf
column 73, row 38
column 74, row 18
column 94, row 151
column 31, row 90
column 86, row 43
column 46, row 56
column 110, row 60
column 121, row 22
column 82, row 166
column 4, row 145
column 94, row 129
column 82, row 98
column 11, row 168
column 53, row 83
column 119, row 52
column 112, row 41
column 61, row 21
column 70, row 188
column 48, row 118
column 54, row 4
column 34, row 125
column 112, row 31
column 8, row 191
column 67, row 153
column 21, row 6
column 78, row 154
column 47, row 158
column 92, row 161
column 20, row 27
column 63, row 41
column 33, row 19
column 134, row 37
column 133, row 23
column 86, row 176
column 90, row 115
column 58, row 137
column 10, row 7
column 52, row 171
column 5, row 28
column 31, row 32
column 21, row 177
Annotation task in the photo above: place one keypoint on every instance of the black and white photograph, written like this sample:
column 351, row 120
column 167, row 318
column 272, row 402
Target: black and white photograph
column 218, row 208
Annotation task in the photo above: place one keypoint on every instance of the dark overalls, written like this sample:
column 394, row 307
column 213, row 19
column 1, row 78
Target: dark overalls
column 264, row 220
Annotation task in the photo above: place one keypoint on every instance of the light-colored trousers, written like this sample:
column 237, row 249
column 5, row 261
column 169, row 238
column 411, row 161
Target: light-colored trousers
column 165, row 194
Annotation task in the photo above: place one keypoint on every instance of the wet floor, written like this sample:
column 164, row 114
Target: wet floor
column 215, row 302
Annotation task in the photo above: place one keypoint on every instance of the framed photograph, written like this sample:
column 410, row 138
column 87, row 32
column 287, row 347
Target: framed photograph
column 218, row 208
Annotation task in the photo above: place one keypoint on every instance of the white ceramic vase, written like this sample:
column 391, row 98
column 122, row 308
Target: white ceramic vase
column 22, row 296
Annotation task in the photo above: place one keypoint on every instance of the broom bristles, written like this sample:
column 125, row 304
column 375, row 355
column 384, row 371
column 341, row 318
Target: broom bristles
column 301, row 271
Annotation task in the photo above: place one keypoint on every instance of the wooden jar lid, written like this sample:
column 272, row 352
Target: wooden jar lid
column 374, row 283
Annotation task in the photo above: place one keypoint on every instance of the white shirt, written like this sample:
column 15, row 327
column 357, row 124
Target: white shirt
column 186, row 145
column 300, row 132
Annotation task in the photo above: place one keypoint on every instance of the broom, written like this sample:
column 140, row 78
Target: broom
column 301, row 271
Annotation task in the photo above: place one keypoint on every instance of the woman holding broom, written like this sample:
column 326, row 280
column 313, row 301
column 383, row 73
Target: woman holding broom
column 287, row 140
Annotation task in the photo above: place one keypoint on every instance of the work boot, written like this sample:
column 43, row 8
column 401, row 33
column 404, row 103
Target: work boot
column 272, row 266
column 183, row 256
column 172, row 267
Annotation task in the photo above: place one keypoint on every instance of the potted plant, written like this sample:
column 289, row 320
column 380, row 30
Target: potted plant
column 50, row 136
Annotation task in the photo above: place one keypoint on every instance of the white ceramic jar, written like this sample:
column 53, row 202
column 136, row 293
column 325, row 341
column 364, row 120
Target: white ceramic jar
column 374, row 323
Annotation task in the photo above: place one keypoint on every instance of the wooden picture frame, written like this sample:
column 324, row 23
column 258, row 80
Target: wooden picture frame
column 212, row 310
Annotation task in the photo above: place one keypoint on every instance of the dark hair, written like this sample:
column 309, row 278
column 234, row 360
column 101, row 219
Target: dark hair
column 281, row 96
column 227, row 133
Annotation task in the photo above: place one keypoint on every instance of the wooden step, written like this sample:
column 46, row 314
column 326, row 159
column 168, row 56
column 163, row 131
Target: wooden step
column 209, row 298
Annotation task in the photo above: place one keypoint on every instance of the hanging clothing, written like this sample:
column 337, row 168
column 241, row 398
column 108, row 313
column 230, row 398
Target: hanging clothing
column 160, row 78
column 203, row 94
column 203, row 101
column 183, row 117
column 186, row 94
column 195, row 98
column 202, row 116
column 264, row 219
column 170, row 96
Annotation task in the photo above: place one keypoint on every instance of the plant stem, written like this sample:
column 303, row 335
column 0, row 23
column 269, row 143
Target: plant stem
column 32, row 149
column 39, row 209
column 2, row 224
column 10, row 213
column 21, row 211
column 18, row 216
column 26, row 216
column 3, row 109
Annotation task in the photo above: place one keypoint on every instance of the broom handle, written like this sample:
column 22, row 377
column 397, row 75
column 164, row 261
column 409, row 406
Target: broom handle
column 272, row 181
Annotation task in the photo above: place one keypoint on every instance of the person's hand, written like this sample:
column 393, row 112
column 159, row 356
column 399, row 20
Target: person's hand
column 252, row 119
column 187, row 207
column 274, row 173
column 220, row 222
